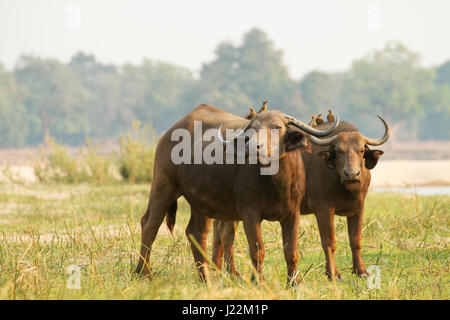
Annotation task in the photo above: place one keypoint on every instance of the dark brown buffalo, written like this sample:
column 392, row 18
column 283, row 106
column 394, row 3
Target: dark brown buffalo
column 230, row 191
column 337, row 180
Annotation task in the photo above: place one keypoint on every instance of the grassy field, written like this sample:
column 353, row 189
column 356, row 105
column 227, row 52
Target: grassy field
column 45, row 229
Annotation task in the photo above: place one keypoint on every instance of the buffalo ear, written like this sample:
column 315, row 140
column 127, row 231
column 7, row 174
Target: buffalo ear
column 329, row 157
column 372, row 157
column 296, row 140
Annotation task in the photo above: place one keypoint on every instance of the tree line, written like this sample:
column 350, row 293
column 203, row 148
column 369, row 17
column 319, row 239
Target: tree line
column 43, row 97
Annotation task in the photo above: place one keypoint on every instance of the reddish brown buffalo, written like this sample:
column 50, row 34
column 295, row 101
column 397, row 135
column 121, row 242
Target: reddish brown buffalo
column 337, row 180
column 230, row 191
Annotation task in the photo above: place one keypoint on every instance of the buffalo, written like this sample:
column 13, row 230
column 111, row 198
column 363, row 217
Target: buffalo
column 337, row 179
column 231, row 192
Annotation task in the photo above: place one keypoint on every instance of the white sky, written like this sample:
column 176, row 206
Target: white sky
column 325, row 35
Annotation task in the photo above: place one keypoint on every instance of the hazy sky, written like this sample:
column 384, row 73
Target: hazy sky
column 324, row 35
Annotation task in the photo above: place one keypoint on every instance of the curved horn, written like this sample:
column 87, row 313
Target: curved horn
column 322, row 142
column 312, row 131
column 383, row 139
column 223, row 141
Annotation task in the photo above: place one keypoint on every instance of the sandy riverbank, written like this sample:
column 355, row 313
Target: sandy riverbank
column 400, row 173
column 388, row 173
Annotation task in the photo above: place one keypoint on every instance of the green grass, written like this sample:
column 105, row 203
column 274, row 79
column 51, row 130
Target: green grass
column 46, row 228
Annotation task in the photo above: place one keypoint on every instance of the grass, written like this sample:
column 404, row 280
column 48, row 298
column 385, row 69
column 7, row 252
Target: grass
column 46, row 228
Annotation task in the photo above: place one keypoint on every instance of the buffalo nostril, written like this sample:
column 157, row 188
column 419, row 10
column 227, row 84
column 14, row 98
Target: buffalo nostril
column 351, row 173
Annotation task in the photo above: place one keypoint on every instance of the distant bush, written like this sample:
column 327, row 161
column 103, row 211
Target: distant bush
column 57, row 165
column 137, row 153
column 100, row 169
column 134, row 161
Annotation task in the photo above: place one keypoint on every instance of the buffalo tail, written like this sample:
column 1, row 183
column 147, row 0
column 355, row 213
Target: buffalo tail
column 171, row 216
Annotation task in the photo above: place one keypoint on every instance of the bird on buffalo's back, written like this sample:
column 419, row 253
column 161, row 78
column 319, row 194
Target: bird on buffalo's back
column 313, row 121
column 251, row 114
column 319, row 119
column 264, row 107
column 330, row 116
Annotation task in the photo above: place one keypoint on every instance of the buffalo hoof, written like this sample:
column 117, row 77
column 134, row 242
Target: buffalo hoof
column 337, row 279
column 363, row 275
column 293, row 282
column 257, row 279
column 235, row 275
column 337, row 276
column 203, row 276
column 144, row 276
column 143, row 272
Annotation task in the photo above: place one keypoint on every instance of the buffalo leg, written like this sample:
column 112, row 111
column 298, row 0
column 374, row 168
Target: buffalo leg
column 224, row 234
column 162, row 196
column 289, row 229
column 217, row 244
column 197, row 229
column 354, row 224
column 256, row 247
column 325, row 221
column 227, row 236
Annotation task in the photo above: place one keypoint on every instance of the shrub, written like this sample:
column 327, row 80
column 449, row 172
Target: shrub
column 56, row 164
column 137, row 152
column 135, row 160
column 99, row 168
